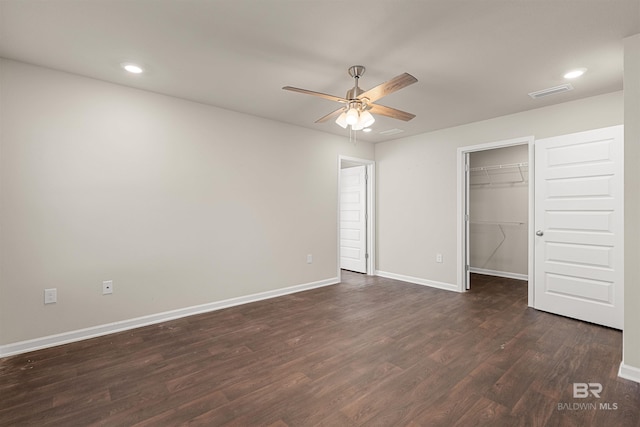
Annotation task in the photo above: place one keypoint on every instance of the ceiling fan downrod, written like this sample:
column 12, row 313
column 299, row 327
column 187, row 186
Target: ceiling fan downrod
column 355, row 71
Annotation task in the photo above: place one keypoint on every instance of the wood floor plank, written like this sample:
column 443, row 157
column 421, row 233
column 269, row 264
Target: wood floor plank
column 544, row 407
column 369, row 351
column 510, row 387
column 486, row 413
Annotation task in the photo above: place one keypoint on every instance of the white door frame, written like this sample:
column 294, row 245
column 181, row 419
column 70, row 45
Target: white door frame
column 463, row 189
column 370, row 166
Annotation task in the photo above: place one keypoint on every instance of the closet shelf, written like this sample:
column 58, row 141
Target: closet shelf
column 499, row 174
column 498, row 222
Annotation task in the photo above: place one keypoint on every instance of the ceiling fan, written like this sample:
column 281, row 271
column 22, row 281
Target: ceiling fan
column 359, row 104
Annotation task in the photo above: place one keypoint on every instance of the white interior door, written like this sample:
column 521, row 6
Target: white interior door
column 579, row 226
column 353, row 224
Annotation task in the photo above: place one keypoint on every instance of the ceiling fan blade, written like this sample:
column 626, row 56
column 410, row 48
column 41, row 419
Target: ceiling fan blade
column 321, row 95
column 391, row 112
column 386, row 88
column 331, row 115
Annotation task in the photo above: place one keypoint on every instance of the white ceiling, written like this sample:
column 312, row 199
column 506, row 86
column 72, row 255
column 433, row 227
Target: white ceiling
column 473, row 59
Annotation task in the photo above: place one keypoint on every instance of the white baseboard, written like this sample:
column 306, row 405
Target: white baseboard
column 505, row 274
column 629, row 372
column 418, row 281
column 110, row 328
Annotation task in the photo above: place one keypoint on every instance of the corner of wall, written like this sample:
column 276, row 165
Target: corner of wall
column 630, row 368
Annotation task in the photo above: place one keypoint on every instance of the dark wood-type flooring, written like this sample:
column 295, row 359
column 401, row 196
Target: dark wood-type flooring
column 369, row 351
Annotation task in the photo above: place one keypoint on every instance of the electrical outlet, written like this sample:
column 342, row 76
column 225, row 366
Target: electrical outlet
column 309, row 259
column 438, row 257
column 107, row 287
column 51, row 296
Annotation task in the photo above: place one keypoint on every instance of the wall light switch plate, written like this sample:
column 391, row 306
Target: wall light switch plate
column 309, row 259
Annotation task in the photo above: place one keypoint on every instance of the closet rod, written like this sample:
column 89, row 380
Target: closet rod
column 494, row 167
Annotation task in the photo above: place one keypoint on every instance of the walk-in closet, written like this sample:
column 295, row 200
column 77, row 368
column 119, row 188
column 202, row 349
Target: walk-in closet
column 498, row 212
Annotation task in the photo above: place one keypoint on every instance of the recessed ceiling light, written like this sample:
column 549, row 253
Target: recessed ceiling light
column 574, row 74
column 366, row 130
column 132, row 68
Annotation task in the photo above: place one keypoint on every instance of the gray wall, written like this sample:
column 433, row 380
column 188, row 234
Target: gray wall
column 179, row 203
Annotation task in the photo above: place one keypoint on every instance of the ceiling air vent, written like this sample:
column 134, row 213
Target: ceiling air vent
column 551, row 91
column 391, row 131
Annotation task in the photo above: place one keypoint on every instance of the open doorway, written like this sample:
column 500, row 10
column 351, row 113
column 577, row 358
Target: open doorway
column 498, row 210
column 356, row 233
column 495, row 211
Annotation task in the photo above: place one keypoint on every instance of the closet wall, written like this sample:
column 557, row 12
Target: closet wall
column 498, row 209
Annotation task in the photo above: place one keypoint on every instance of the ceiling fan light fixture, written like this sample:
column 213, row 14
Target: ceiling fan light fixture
column 366, row 119
column 342, row 120
column 352, row 116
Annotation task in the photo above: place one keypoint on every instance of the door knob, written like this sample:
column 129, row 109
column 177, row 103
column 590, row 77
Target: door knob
column 539, row 233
